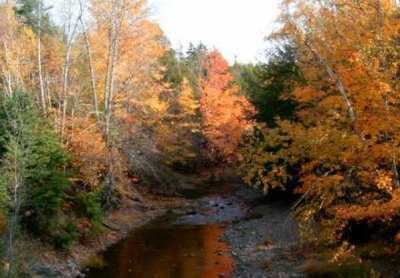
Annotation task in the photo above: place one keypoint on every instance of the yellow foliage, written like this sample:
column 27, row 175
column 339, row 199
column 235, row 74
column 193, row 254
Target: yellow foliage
column 343, row 149
column 178, row 129
column 90, row 153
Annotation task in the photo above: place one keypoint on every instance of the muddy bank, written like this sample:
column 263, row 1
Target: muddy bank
column 184, row 243
column 266, row 244
column 117, row 225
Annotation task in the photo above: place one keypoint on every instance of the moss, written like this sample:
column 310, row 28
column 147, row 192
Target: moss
column 94, row 261
column 321, row 269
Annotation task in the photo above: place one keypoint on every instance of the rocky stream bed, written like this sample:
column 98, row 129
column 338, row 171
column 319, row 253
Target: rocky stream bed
column 223, row 231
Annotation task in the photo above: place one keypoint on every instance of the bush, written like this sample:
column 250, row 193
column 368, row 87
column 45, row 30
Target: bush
column 90, row 207
column 31, row 151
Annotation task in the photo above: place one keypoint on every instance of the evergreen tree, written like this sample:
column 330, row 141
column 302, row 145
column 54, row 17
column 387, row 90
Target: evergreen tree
column 31, row 12
column 31, row 178
column 269, row 85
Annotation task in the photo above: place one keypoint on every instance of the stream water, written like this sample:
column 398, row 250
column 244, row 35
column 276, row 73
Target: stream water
column 182, row 244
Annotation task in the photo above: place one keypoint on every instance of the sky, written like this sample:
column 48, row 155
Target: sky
column 236, row 27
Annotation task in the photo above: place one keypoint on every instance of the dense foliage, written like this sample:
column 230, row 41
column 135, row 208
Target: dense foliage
column 341, row 143
column 269, row 85
column 91, row 109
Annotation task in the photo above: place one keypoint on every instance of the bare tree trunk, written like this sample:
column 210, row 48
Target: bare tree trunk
column 48, row 90
column 109, row 94
column 91, row 66
column 7, row 72
column 112, row 58
column 338, row 80
column 42, row 98
column 70, row 38
column 92, row 78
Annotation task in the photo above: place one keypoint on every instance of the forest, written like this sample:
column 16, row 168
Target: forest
column 97, row 110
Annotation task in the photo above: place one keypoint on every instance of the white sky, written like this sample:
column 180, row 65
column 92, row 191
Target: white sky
column 235, row 27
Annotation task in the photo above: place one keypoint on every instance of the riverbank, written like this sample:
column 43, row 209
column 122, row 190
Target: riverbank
column 261, row 237
column 265, row 243
column 186, row 242
column 223, row 228
column 137, row 212
column 50, row 263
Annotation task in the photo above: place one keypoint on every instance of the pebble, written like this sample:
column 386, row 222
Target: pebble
column 244, row 236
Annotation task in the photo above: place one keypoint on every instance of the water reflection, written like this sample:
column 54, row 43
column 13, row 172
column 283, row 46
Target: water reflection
column 162, row 251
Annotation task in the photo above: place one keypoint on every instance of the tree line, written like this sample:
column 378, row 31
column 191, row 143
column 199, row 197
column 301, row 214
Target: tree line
column 100, row 101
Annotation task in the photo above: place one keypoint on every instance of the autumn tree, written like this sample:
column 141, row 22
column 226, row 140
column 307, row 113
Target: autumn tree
column 344, row 139
column 179, row 131
column 17, row 58
column 33, row 13
column 226, row 114
column 87, row 77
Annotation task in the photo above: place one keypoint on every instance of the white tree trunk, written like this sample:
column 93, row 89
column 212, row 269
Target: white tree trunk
column 42, row 97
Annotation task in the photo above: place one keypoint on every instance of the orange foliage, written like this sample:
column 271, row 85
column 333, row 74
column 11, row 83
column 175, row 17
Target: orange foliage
column 344, row 148
column 89, row 153
column 226, row 115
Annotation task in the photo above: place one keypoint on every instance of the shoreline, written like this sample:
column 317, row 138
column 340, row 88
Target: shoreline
column 263, row 241
column 264, row 245
column 118, row 225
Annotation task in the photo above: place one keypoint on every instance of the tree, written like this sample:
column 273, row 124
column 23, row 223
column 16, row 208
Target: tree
column 193, row 66
column 124, row 38
column 173, row 73
column 344, row 138
column 30, row 167
column 16, row 51
column 30, row 12
column 226, row 115
column 179, row 130
column 33, row 14
column 269, row 86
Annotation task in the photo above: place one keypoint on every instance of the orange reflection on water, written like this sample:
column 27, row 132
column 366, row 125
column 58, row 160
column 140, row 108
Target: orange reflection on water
column 217, row 252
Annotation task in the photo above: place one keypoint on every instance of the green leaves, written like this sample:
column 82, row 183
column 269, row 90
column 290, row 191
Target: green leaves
column 31, row 164
column 269, row 85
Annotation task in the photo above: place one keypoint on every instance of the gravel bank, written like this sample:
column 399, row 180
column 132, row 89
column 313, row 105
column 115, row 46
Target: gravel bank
column 264, row 243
